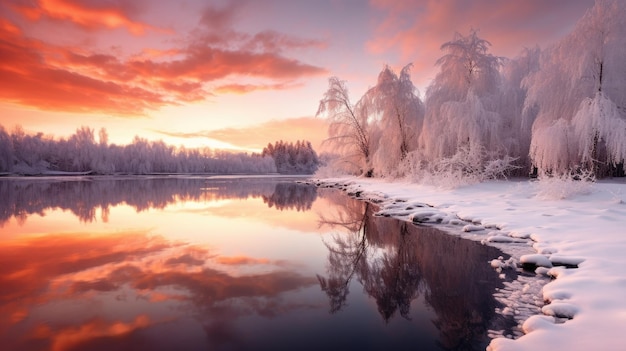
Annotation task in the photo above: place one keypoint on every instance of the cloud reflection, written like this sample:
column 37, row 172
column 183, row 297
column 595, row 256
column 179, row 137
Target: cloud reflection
column 41, row 275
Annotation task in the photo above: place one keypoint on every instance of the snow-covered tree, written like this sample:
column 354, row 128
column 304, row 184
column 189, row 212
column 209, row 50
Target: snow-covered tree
column 6, row 151
column 349, row 128
column 600, row 128
column 517, row 121
column 460, row 102
column 581, row 82
column 31, row 154
column 84, row 145
column 292, row 158
column 399, row 113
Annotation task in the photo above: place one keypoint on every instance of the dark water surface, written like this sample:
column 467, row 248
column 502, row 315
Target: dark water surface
column 192, row 263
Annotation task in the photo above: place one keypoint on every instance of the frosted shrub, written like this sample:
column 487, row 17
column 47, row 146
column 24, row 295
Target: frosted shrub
column 330, row 171
column 468, row 166
column 564, row 186
column 412, row 167
column 499, row 168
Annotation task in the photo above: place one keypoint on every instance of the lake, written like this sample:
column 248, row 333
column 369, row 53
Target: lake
column 198, row 263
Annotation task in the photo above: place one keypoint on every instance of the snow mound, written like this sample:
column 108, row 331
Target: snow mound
column 567, row 261
column 535, row 260
column 520, row 235
column 429, row 216
column 502, row 239
column 537, row 323
column 544, row 249
column 473, row 228
column 560, row 310
column 551, row 295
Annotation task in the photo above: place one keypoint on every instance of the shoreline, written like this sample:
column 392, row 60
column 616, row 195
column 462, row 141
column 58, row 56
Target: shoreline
column 584, row 308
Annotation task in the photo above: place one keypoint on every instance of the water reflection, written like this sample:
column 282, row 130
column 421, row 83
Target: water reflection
column 93, row 292
column 82, row 196
column 185, row 278
column 396, row 262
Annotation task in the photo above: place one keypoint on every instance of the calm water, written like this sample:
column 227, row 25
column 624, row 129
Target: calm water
column 229, row 264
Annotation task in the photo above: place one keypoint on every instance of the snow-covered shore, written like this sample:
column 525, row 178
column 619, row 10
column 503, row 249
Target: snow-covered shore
column 588, row 229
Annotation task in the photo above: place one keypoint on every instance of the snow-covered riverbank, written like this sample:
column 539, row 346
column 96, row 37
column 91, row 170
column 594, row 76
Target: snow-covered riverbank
column 588, row 229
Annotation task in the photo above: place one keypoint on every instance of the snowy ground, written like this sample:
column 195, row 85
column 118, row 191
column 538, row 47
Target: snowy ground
column 587, row 229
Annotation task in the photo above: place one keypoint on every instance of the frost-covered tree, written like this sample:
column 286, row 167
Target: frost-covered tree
column 399, row 113
column 85, row 152
column 460, row 102
column 349, row 128
column 6, row 151
column 581, row 84
column 517, row 121
column 31, row 154
column 102, row 162
column 292, row 158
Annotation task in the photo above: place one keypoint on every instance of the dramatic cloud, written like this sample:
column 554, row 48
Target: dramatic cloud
column 415, row 29
column 258, row 136
column 86, row 13
column 34, row 72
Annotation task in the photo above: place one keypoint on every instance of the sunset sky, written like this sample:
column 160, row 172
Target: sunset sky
column 231, row 74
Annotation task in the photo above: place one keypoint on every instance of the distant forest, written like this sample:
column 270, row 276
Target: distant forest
column 38, row 154
column 560, row 110
column 290, row 158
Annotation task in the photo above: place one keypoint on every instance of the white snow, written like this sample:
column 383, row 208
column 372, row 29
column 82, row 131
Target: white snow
column 537, row 260
column 587, row 230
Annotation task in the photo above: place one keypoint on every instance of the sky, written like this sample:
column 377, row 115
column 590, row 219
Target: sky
column 232, row 74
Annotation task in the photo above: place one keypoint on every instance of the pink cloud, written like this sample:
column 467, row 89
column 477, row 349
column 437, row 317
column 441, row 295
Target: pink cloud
column 415, row 29
column 36, row 73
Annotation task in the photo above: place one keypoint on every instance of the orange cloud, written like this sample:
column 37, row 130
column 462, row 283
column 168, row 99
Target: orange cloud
column 27, row 78
column 87, row 14
column 36, row 73
column 248, row 88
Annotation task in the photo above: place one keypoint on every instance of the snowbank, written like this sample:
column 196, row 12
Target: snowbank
column 586, row 306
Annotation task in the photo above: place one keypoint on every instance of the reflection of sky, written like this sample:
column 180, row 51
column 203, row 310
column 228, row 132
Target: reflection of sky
column 220, row 271
column 190, row 269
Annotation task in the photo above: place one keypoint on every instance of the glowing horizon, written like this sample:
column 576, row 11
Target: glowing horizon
column 230, row 74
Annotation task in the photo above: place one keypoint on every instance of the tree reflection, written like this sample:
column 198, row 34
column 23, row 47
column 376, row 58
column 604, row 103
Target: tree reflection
column 83, row 196
column 394, row 279
column 291, row 196
column 396, row 262
column 347, row 252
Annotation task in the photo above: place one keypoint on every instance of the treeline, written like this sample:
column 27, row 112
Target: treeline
column 26, row 154
column 293, row 158
column 561, row 110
